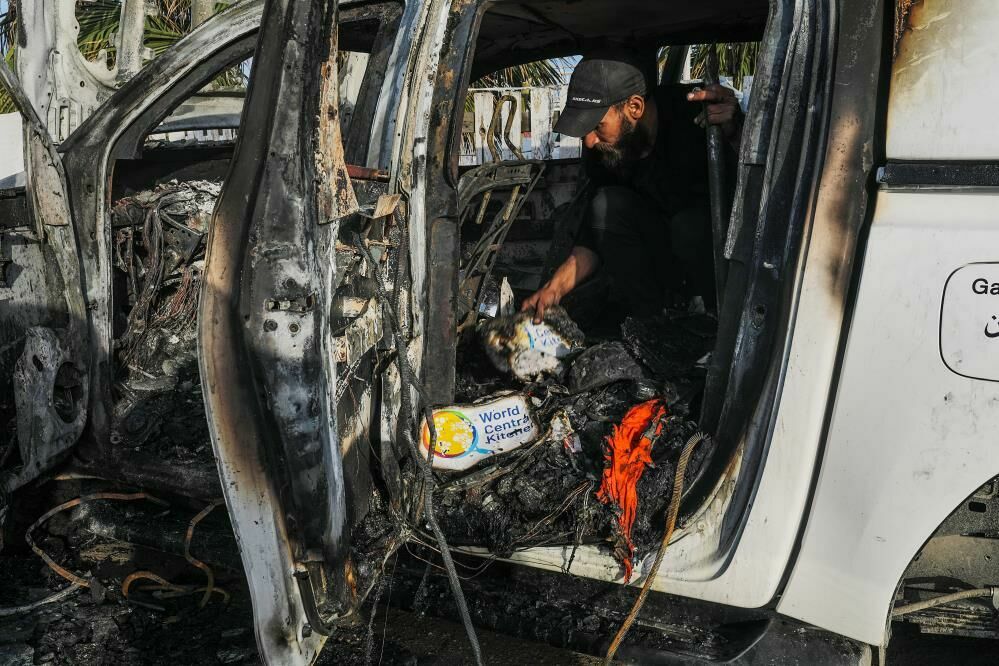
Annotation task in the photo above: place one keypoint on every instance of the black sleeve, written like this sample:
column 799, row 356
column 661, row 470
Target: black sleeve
column 585, row 236
column 597, row 177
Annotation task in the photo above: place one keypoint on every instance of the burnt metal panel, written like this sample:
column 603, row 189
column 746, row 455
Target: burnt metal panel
column 51, row 379
column 443, row 245
column 939, row 175
column 268, row 369
column 87, row 157
column 744, row 379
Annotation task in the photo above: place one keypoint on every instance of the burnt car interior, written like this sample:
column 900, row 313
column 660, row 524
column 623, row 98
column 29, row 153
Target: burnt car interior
column 506, row 226
column 517, row 220
column 164, row 186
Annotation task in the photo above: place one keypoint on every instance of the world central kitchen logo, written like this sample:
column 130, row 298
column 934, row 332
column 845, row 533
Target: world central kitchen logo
column 476, row 430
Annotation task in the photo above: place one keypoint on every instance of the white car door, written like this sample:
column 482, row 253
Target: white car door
column 917, row 406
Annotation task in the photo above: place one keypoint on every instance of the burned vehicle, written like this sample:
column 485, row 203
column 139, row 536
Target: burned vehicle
column 309, row 310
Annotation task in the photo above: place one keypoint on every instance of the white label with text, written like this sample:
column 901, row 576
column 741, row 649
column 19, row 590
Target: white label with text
column 969, row 322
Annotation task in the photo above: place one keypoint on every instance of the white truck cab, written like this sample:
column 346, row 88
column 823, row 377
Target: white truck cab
column 851, row 390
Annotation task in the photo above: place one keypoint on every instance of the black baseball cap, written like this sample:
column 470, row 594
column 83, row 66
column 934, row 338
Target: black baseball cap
column 599, row 82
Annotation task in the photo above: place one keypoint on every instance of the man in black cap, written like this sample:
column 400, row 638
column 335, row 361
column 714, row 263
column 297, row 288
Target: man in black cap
column 649, row 223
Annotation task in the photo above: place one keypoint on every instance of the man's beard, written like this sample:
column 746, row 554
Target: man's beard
column 619, row 158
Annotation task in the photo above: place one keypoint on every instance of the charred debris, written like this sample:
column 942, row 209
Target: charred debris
column 594, row 426
column 556, row 487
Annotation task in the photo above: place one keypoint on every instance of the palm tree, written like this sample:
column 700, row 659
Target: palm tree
column 736, row 60
column 8, row 39
column 538, row 73
column 99, row 20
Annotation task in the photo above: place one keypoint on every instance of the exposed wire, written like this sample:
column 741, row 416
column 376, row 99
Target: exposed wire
column 52, row 598
column 209, row 574
column 369, row 638
column 674, row 509
column 126, row 585
column 486, row 561
column 943, row 599
column 405, row 416
column 164, row 589
column 65, row 573
column 388, row 603
column 170, row 593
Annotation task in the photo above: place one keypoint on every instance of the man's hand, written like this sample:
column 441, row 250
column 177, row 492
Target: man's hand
column 580, row 264
column 541, row 300
column 721, row 107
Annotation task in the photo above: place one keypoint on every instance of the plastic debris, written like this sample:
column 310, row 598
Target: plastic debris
column 530, row 351
column 629, row 452
column 545, row 493
column 468, row 434
column 601, row 365
column 497, row 299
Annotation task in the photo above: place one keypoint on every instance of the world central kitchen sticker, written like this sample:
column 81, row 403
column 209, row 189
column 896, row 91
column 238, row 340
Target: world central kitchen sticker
column 468, row 434
column 969, row 322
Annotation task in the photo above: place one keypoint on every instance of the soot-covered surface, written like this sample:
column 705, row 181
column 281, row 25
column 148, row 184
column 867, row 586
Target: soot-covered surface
column 545, row 493
column 159, row 249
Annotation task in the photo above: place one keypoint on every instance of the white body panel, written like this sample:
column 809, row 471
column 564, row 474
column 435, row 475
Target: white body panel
column 946, row 61
column 909, row 432
column 12, row 148
column 909, row 438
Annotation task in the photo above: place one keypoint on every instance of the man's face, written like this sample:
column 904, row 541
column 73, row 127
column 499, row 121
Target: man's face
column 618, row 140
column 608, row 132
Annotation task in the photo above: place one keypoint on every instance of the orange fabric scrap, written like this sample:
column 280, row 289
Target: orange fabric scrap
column 629, row 448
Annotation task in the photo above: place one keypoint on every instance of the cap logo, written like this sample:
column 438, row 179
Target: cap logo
column 587, row 99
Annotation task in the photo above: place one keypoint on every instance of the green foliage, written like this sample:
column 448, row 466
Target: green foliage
column 99, row 21
column 8, row 42
column 6, row 102
column 533, row 74
column 538, row 73
column 736, row 61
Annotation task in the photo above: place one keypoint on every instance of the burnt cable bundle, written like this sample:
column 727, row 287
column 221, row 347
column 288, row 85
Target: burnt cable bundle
column 405, row 416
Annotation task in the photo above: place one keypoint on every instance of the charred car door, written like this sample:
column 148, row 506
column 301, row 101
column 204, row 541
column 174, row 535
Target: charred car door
column 42, row 305
column 296, row 476
column 289, row 326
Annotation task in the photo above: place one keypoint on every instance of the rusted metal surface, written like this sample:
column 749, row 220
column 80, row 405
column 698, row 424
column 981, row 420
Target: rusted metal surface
column 50, row 394
column 88, row 155
column 52, row 366
column 364, row 173
column 335, row 194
